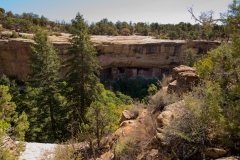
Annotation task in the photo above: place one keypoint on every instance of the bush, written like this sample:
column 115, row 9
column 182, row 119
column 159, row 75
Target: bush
column 163, row 37
column 57, row 34
column 162, row 97
column 14, row 35
column 189, row 57
column 61, row 152
column 25, row 36
column 199, row 125
column 173, row 35
column 126, row 149
column 125, row 32
column 137, row 108
column 66, row 152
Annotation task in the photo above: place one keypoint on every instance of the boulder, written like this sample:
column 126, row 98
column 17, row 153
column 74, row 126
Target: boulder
column 160, row 130
column 215, row 152
column 177, row 108
column 153, row 154
column 164, row 118
column 127, row 115
column 7, row 142
column 184, row 78
column 229, row 158
column 106, row 156
column 160, row 136
column 177, row 70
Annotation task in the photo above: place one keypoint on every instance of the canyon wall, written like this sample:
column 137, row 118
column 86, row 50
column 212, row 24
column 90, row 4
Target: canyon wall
column 119, row 56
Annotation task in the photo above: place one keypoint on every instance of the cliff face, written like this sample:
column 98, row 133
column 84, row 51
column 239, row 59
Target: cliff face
column 14, row 58
column 139, row 56
column 119, row 56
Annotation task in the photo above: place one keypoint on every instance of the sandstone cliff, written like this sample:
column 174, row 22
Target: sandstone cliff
column 119, row 56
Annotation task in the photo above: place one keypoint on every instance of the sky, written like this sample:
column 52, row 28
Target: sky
column 161, row 11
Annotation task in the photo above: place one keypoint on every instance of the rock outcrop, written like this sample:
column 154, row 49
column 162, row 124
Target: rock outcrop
column 132, row 138
column 119, row 56
column 215, row 152
column 7, row 142
column 183, row 79
column 164, row 118
column 127, row 115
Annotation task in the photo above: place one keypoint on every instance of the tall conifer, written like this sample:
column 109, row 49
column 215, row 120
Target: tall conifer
column 43, row 96
column 82, row 70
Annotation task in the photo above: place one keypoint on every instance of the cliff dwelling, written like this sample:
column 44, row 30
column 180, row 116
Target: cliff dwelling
column 130, row 57
column 115, row 73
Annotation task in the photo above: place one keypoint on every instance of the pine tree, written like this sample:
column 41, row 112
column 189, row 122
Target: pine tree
column 42, row 97
column 83, row 70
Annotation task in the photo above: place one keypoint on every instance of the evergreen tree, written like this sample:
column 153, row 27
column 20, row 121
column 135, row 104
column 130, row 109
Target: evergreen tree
column 103, row 115
column 82, row 71
column 10, row 123
column 13, row 90
column 42, row 97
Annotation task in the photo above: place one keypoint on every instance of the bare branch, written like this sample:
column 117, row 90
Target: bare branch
column 190, row 10
column 205, row 17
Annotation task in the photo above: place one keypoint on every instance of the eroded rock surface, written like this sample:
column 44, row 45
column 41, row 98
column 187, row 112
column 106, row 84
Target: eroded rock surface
column 119, row 56
column 215, row 152
column 134, row 136
column 7, row 142
column 127, row 115
column 183, row 79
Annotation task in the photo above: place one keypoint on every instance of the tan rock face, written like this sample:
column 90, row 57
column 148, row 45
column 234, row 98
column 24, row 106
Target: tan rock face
column 184, row 78
column 164, row 118
column 119, row 56
column 7, row 142
column 215, row 152
column 169, row 112
column 127, row 115
column 14, row 58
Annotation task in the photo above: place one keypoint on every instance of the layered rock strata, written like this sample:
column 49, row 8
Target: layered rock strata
column 118, row 56
column 183, row 79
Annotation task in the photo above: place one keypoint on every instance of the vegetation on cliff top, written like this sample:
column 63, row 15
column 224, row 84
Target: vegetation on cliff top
column 30, row 23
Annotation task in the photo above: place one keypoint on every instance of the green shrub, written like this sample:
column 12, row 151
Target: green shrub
column 57, row 34
column 189, row 57
column 14, row 34
column 163, row 37
column 25, row 37
column 126, row 149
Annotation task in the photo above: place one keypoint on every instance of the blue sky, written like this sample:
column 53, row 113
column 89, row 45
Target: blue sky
column 161, row 11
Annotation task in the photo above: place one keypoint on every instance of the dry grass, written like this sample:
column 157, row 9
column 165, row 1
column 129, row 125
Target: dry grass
column 61, row 152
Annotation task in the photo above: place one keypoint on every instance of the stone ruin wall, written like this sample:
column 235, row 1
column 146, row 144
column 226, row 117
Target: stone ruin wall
column 115, row 73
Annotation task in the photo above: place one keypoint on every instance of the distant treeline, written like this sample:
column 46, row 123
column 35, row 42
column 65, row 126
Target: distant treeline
column 164, row 31
column 29, row 22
